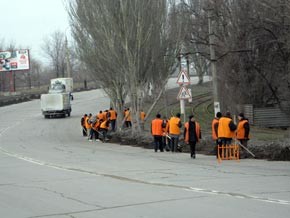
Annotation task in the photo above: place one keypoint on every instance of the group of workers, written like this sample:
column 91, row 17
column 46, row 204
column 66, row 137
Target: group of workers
column 166, row 132
column 95, row 127
column 223, row 131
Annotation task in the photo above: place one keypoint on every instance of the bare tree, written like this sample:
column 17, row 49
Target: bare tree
column 55, row 51
column 126, row 45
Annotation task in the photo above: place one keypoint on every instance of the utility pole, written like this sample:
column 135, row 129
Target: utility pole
column 67, row 59
column 213, row 60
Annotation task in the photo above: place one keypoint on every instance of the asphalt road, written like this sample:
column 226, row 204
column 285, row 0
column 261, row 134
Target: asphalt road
column 48, row 169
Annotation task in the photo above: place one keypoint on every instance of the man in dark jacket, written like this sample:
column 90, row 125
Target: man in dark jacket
column 192, row 134
column 243, row 131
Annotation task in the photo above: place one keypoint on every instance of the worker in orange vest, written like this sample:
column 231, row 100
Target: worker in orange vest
column 106, row 114
column 142, row 118
column 165, row 140
column 88, row 126
column 95, row 129
column 174, row 126
column 142, row 115
column 101, row 115
column 243, row 131
column 128, row 118
column 104, row 127
column 192, row 134
column 214, row 130
column 157, row 132
column 84, row 129
column 113, row 118
column 226, row 129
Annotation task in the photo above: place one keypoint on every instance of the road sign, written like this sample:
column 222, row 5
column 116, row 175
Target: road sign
column 183, row 93
column 183, row 78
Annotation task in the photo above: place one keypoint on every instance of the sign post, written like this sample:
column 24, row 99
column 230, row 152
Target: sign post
column 183, row 80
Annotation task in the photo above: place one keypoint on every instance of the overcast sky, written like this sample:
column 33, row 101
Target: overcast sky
column 27, row 22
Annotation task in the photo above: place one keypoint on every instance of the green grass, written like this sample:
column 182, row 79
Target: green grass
column 205, row 117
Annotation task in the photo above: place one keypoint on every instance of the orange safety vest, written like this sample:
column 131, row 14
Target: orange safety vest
column 197, row 131
column 224, row 129
column 87, row 125
column 165, row 129
column 241, row 129
column 127, row 116
column 105, row 115
column 96, row 125
column 142, row 115
column 213, row 130
column 101, row 116
column 104, row 125
column 113, row 114
column 173, row 126
column 156, row 127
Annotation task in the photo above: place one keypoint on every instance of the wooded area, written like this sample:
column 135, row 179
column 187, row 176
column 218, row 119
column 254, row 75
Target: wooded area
column 251, row 44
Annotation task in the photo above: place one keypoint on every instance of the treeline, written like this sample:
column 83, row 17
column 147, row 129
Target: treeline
column 252, row 45
column 131, row 47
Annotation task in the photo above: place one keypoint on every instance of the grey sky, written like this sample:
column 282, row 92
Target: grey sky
column 27, row 22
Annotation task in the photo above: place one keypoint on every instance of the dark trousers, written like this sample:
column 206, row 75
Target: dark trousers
column 192, row 149
column 128, row 124
column 244, row 153
column 158, row 143
column 84, row 131
column 165, row 144
column 113, row 125
column 104, row 134
column 94, row 134
column 174, row 142
column 226, row 141
column 218, row 142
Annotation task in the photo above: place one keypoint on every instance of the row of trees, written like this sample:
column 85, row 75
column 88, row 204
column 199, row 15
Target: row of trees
column 127, row 45
column 130, row 45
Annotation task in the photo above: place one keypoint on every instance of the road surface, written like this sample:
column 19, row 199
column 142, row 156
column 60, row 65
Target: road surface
column 48, row 169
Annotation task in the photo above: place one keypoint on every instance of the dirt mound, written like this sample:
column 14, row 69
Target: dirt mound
column 278, row 150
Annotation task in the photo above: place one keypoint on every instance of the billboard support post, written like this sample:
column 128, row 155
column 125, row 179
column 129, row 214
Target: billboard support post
column 11, row 81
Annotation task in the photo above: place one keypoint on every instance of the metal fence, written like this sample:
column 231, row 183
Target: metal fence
column 267, row 116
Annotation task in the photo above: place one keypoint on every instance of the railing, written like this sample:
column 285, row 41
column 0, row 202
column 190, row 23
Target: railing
column 228, row 152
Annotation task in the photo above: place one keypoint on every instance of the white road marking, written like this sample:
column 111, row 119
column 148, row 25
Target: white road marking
column 193, row 189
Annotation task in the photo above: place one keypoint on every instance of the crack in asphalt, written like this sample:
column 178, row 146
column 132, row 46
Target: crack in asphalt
column 61, row 194
column 116, row 207
column 188, row 188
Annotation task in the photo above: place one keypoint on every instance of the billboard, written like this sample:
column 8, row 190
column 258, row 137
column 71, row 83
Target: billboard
column 14, row 60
